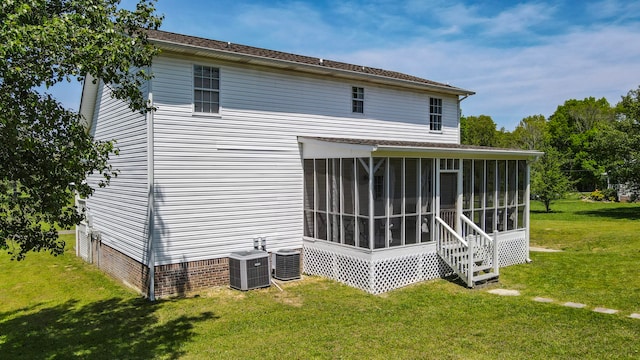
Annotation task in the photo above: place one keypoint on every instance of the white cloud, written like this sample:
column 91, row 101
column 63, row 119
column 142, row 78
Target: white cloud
column 606, row 9
column 512, row 83
column 518, row 19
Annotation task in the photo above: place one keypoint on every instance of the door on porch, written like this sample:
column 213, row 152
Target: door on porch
column 448, row 198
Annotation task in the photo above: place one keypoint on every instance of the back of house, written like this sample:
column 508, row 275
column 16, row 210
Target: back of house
column 358, row 168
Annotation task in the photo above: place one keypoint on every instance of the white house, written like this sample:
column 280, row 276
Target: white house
column 359, row 168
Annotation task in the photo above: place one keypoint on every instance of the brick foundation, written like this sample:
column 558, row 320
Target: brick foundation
column 122, row 267
column 179, row 279
column 170, row 280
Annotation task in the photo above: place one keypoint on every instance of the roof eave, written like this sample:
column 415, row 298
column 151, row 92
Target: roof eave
column 456, row 152
column 309, row 68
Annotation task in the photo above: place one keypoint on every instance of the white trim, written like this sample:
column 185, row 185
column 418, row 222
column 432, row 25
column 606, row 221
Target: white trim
column 367, row 254
column 317, row 148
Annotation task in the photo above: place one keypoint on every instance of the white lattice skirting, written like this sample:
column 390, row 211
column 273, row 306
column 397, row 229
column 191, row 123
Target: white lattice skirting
column 374, row 276
column 382, row 274
column 512, row 249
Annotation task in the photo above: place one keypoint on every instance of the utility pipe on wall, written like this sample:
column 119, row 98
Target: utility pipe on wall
column 151, row 265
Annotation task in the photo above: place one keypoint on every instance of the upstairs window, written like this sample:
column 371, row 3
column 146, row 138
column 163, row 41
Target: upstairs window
column 357, row 100
column 206, row 89
column 435, row 114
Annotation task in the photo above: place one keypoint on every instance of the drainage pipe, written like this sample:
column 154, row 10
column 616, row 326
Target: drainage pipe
column 151, row 198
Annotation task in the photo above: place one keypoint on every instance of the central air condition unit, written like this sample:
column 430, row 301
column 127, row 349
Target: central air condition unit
column 286, row 264
column 249, row 270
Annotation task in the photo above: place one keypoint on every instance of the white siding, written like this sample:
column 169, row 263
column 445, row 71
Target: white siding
column 119, row 211
column 224, row 179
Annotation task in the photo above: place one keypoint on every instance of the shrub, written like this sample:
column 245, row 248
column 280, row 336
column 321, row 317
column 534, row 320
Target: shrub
column 610, row 194
column 596, row 195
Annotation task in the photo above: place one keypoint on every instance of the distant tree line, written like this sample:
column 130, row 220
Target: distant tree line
column 587, row 143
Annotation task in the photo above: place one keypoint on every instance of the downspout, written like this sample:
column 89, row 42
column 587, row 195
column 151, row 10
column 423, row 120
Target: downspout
column 151, row 197
column 459, row 116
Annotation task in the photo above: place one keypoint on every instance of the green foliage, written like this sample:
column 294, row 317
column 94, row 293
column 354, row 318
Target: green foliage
column 45, row 153
column 619, row 145
column 548, row 182
column 596, row 195
column 531, row 133
column 574, row 129
column 478, row 130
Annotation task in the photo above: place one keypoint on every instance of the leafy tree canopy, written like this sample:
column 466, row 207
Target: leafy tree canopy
column 478, row 130
column 548, row 181
column 619, row 145
column 45, row 152
column 573, row 130
column 531, row 133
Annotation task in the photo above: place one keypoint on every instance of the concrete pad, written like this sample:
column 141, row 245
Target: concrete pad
column 574, row 305
column 605, row 310
column 542, row 299
column 539, row 249
column 635, row 316
column 505, row 292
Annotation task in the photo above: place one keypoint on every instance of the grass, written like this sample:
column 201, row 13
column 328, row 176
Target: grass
column 53, row 308
column 600, row 258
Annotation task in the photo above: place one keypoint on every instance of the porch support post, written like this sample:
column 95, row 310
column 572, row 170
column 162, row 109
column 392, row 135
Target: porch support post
column 371, row 221
column 436, row 207
column 471, row 250
column 527, row 198
column 459, row 198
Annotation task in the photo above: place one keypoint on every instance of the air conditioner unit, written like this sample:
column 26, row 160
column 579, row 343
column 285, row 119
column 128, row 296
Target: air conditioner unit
column 286, row 264
column 249, row 270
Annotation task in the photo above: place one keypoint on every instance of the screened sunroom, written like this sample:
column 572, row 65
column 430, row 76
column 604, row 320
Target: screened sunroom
column 378, row 214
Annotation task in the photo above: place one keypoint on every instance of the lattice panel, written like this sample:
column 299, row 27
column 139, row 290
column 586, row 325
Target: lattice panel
column 393, row 273
column 346, row 269
column 513, row 251
column 353, row 272
column 374, row 276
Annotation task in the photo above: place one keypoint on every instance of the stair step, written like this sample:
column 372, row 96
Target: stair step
column 484, row 277
column 482, row 268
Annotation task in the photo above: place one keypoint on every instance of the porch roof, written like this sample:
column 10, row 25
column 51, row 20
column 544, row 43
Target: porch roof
column 326, row 147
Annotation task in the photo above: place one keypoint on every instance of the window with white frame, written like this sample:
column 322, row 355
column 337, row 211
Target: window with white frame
column 435, row 114
column 357, row 95
column 206, row 89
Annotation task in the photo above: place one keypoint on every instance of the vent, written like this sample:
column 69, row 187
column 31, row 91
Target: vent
column 249, row 270
column 286, row 264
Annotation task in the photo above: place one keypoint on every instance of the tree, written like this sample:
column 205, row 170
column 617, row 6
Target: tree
column 478, row 130
column 45, row 152
column 619, row 144
column 548, row 182
column 573, row 130
column 531, row 133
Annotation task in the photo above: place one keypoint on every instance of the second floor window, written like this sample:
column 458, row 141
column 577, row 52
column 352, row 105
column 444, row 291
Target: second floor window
column 206, row 89
column 357, row 100
column 435, row 114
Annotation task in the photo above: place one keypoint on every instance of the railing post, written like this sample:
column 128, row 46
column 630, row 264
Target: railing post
column 471, row 263
column 496, row 260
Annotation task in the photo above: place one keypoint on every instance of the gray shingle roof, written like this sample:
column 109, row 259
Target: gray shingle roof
column 227, row 47
column 426, row 146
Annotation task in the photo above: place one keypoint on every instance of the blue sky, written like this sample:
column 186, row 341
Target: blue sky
column 521, row 59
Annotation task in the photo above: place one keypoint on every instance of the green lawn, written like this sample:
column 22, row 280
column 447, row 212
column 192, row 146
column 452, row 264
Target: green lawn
column 55, row 308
